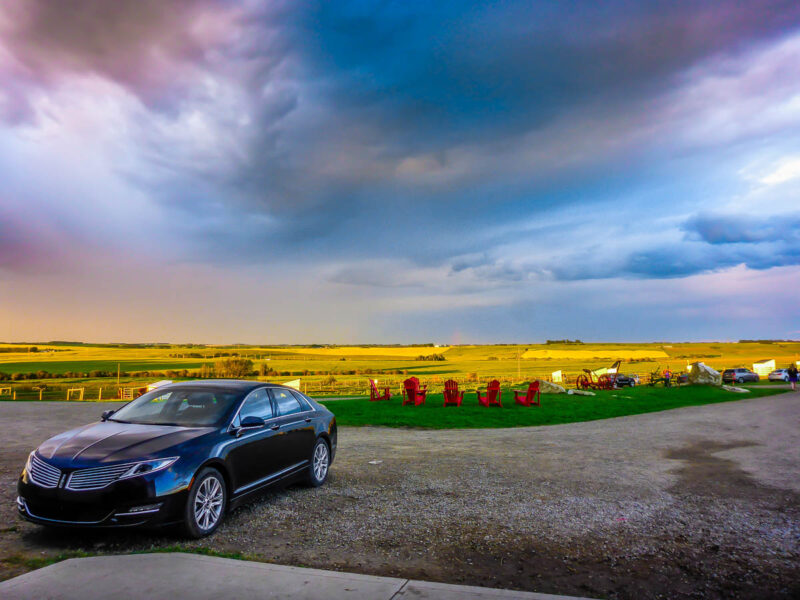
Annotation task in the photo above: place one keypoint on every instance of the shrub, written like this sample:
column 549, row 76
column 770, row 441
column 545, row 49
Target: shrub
column 233, row 368
column 434, row 357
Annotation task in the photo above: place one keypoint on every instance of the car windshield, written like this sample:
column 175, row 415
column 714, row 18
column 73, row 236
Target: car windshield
column 187, row 407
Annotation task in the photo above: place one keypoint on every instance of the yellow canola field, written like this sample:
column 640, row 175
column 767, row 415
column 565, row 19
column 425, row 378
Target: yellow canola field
column 597, row 353
column 376, row 351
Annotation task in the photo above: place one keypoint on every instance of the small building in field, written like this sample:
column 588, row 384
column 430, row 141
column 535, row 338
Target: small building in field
column 764, row 367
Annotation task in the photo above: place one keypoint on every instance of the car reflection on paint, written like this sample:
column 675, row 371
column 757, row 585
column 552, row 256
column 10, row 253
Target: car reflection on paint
column 185, row 454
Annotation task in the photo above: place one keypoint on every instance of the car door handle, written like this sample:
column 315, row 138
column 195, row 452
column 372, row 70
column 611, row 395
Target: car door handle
column 275, row 427
column 308, row 419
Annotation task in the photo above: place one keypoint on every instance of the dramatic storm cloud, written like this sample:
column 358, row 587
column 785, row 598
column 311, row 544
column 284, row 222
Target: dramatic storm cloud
column 213, row 170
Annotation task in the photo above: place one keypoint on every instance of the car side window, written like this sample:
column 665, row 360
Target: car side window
column 304, row 403
column 257, row 404
column 286, row 403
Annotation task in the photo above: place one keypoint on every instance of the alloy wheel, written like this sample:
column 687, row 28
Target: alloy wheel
column 320, row 461
column 208, row 503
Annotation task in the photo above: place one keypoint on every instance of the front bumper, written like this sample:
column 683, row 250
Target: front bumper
column 125, row 503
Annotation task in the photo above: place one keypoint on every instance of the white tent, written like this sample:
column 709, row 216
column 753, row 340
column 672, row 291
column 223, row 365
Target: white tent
column 294, row 383
column 764, row 367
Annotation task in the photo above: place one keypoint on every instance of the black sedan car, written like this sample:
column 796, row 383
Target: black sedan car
column 622, row 380
column 184, row 453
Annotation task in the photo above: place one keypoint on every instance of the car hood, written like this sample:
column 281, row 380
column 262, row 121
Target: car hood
column 108, row 442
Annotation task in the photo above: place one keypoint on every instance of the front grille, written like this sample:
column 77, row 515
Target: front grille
column 43, row 474
column 96, row 477
column 68, row 512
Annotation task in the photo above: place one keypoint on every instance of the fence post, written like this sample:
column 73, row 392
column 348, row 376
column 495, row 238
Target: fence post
column 100, row 394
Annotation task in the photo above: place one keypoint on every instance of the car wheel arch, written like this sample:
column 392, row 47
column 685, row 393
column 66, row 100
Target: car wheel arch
column 220, row 466
column 326, row 437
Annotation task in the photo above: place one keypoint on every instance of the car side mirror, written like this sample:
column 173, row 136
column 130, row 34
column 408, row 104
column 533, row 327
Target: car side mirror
column 106, row 415
column 252, row 422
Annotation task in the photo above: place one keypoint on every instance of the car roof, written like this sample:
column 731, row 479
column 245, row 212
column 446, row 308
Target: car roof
column 238, row 385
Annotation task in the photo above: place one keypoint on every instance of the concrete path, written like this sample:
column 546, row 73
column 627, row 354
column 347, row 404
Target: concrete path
column 177, row 575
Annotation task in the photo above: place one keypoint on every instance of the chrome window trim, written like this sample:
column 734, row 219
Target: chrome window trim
column 230, row 426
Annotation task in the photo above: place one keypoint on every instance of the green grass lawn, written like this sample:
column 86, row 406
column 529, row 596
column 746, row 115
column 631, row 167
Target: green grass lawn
column 555, row 408
column 84, row 366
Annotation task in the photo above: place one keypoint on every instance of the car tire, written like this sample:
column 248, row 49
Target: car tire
column 320, row 463
column 740, row 380
column 206, row 504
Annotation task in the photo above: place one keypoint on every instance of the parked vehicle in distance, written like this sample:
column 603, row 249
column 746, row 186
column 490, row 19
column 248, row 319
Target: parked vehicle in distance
column 185, row 453
column 739, row 375
column 626, row 380
column 779, row 375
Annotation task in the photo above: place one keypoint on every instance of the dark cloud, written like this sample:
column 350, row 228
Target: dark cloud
column 435, row 75
column 144, row 45
column 357, row 116
column 744, row 228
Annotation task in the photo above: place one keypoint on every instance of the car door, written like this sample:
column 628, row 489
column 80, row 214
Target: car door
column 254, row 456
column 296, row 427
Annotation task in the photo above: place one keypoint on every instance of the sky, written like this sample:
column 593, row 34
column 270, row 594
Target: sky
column 212, row 171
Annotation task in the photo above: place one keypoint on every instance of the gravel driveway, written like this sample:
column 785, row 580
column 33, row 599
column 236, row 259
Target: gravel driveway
column 694, row 502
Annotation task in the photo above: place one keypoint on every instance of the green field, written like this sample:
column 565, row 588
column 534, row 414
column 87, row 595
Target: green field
column 86, row 366
column 345, row 370
column 554, row 409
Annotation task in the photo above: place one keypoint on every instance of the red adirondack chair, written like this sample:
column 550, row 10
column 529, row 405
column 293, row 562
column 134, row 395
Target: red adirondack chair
column 413, row 393
column 492, row 396
column 451, row 394
column 527, row 398
column 374, row 395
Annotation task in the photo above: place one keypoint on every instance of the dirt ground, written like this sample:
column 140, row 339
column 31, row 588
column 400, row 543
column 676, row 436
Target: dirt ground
column 698, row 502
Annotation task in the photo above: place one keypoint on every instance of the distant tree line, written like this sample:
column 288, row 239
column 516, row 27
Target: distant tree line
column 563, row 342
column 768, row 341
column 224, row 369
column 435, row 357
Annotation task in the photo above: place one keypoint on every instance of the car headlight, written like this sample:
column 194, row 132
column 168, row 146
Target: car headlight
column 28, row 463
column 148, row 466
